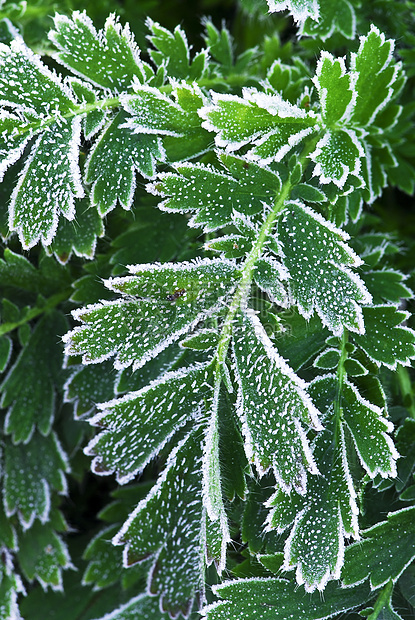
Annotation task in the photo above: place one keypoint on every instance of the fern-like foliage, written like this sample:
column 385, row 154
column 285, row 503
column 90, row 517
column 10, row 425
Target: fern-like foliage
column 205, row 394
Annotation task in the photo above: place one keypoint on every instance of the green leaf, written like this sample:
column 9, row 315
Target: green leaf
column 214, row 194
column 29, row 388
column 95, row 118
column 31, row 471
column 172, row 52
column 138, row 425
column 142, row 606
column 269, row 276
column 279, row 599
column 328, row 359
column 160, row 303
column 78, row 236
column 339, row 16
column 376, row 72
column 10, row 586
column 5, row 352
column 317, row 259
column 89, row 385
column 385, row 551
column 43, row 555
column 169, row 525
column 114, row 160
column 335, row 89
column 387, row 285
column 337, row 156
column 108, row 59
column 396, row 344
column 273, row 407
column 273, row 126
column 202, row 340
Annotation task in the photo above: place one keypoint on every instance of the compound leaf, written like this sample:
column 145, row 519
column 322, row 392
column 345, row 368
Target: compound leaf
column 108, row 58
column 28, row 389
column 335, row 89
column 160, row 303
column 213, row 194
column 385, row 551
column 31, row 471
column 273, row 407
column 317, row 259
column 273, row 126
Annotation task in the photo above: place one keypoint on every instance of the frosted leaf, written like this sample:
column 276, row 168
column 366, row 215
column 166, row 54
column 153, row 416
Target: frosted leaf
column 328, row 512
column 384, row 552
column 387, row 285
column 269, row 275
column 336, row 16
column 113, row 161
column 43, row 555
column 138, row 425
column 48, row 183
column 78, row 236
column 92, row 121
column 6, row 347
column 108, row 58
column 217, row 534
column 335, row 88
column 386, row 341
column 160, row 303
column 213, row 194
column 10, row 586
column 26, row 84
column 273, row 406
column 317, row 259
column 299, row 9
column 89, row 385
column 338, row 154
column 28, row 390
column 30, row 472
column 172, row 52
column 270, row 124
column 377, row 73
column 142, row 606
column 155, row 113
column 169, row 525
column 14, row 135
column 258, row 598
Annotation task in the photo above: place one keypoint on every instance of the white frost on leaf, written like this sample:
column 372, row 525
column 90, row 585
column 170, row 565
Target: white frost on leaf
column 299, row 9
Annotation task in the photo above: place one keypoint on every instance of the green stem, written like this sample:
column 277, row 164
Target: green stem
column 51, row 303
column 382, row 600
column 241, row 293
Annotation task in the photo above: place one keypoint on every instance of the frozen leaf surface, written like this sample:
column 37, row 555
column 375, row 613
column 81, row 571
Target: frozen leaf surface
column 337, row 16
column 214, row 194
column 137, row 425
column 30, row 472
column 108, row 58
column 385, row 551
column 318, row 262
column 169, row 525
column 279, row 599
column 299, row 9
column 273, row 406
column 159, row 304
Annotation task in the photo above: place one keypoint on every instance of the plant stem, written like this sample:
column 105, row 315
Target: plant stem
column 52, row 302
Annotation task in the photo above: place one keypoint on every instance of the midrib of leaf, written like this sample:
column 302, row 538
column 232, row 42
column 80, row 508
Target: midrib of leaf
column 252, row 258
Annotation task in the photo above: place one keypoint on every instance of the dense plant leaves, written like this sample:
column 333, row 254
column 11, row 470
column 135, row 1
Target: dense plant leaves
column 214, row 194
column 10, row 586
column 281, row 600
column 385, row 551
column 168, row 301
column 398, row 342
column 112, row 60
column 28, row 389
column 31, row 471
column 273, row 406
column 318, row 262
